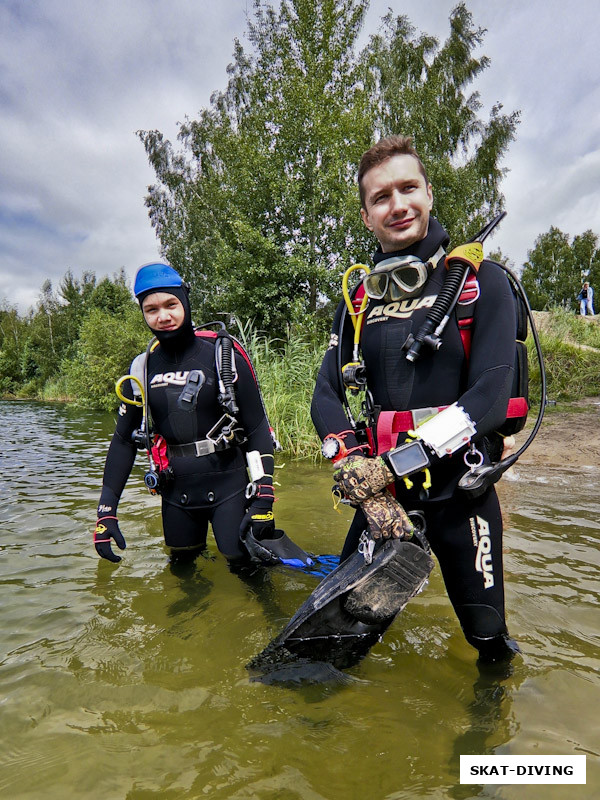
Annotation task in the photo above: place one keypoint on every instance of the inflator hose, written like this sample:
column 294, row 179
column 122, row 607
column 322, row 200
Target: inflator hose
column 227, row 370
column 453, row 283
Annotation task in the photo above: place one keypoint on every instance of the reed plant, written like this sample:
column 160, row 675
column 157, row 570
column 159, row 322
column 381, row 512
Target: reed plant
column 287, row 370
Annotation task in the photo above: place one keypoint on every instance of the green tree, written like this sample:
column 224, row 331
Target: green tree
column 11, row 338
column 259, row 208
column 587, row 258
column 551, row 275
column 420, row 88
column 44, row 342
column 107, row 344
column 251, row 209
column 498, row 256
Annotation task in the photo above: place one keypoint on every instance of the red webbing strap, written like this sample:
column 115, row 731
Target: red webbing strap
column 358, row 298
column 206, row 334
column 389, row 425
column 464, row 328
column 464, row 311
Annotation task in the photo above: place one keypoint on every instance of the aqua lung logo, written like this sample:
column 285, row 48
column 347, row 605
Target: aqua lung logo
column 480, row 531
column 400, row 310
column 169, row 379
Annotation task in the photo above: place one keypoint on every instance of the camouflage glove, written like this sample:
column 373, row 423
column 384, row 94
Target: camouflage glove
column 386, row 517
column 360, row 478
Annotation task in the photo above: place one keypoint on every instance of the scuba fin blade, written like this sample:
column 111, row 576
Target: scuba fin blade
column 351, row 608
column 387, row 592
column 278, row 550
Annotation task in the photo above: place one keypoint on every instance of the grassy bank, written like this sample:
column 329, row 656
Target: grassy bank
column 571, row 348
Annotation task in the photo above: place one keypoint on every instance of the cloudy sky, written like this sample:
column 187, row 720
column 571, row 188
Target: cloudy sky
column 79, row 77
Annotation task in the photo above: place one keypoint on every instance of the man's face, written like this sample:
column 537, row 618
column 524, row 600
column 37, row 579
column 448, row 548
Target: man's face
column 397, row 202
column 163, row 311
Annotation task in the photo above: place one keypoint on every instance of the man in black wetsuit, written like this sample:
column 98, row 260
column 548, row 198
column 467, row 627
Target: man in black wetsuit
column 205, row 405
column 465, row 533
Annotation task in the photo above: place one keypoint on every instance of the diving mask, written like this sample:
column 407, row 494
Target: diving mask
column 397, row 278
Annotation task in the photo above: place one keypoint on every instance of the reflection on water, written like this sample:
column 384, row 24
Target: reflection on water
column 128, row 681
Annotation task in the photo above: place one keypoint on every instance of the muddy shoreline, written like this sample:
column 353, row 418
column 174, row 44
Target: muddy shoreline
column 568, row 436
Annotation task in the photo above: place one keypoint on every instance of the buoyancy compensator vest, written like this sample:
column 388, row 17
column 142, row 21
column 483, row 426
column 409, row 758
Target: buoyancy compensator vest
column 459, row 294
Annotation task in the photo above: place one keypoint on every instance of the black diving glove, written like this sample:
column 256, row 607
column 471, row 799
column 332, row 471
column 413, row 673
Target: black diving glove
column 268, row 545
column 107, row 528
column 260, row 522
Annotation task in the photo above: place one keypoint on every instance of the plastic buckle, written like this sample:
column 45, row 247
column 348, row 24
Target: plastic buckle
column 205, row 447
column 366, row 546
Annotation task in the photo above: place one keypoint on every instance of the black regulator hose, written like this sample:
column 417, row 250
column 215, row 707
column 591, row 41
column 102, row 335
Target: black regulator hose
column 431, row 330
column 228, row 398
column 446, row 300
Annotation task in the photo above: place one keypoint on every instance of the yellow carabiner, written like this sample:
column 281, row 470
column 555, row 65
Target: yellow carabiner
column 122, row 397
column 355, row 316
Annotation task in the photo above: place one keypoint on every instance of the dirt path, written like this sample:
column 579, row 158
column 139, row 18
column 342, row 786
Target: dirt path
column 569, row 438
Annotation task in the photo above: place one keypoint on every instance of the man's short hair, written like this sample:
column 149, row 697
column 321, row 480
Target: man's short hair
column 380, row 152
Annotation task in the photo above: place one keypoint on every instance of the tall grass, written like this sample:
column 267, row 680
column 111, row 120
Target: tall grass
column 568, row 327
column 571, row 349
column 287, row 371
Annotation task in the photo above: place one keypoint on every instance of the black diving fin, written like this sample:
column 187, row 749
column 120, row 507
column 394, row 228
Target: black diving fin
column 278, row 550
column 350, row 609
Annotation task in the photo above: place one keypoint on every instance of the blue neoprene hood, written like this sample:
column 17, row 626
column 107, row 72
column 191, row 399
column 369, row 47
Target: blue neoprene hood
column 155, row 276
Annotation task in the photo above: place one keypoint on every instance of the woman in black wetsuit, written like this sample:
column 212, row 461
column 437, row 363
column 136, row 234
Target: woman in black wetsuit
column 208, row 423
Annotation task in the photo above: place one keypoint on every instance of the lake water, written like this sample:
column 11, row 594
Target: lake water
column 129, row 681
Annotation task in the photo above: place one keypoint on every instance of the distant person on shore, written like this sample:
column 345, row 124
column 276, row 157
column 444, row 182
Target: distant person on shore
column 586, row 300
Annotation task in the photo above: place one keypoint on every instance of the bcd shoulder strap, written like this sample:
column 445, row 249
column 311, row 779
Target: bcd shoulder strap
column 518, row 404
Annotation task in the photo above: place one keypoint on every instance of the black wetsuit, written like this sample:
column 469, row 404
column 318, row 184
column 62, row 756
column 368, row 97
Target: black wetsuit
column 465, row 535
column 207, row 488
